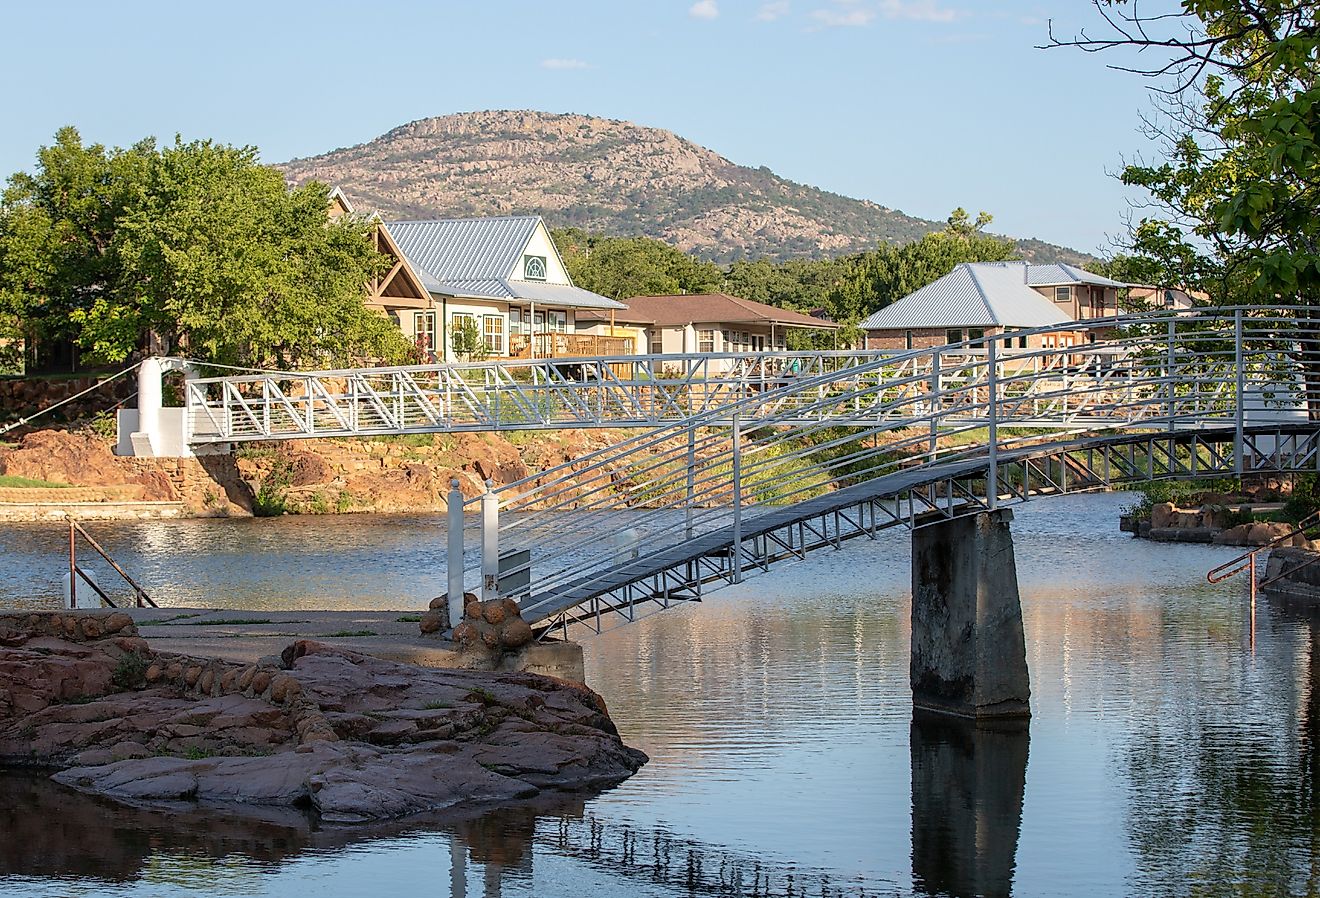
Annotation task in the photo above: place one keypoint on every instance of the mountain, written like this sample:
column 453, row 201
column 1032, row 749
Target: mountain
column 610, row 176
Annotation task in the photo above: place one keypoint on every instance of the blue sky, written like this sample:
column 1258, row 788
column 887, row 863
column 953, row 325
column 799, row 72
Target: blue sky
column 921, row 105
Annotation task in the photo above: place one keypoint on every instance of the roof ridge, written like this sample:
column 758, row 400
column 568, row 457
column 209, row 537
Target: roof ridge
column 474, row 218
column 980, row 290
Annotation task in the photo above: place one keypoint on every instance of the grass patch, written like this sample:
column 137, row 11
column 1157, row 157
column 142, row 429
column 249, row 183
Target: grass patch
column 409, row 619
column 27, row 483
column 167, row 620
column 348, row 634
column 130, row 672
column 238, row 622
column 482, row 696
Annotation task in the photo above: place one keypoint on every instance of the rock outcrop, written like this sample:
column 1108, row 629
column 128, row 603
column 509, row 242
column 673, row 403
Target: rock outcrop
column 354, row 737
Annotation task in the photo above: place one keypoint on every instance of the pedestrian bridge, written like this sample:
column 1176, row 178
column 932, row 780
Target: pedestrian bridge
column 738, row 462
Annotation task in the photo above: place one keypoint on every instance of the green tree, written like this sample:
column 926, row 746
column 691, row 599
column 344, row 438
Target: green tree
column 1237, row 195
column 196, row 243
column 622, row 267
column 466, row 340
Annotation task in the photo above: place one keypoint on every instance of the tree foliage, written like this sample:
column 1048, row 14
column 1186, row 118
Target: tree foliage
column 848, row 288
column 1236, row 195
column 195, row 243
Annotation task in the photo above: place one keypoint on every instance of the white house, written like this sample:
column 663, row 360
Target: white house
column 502, row 275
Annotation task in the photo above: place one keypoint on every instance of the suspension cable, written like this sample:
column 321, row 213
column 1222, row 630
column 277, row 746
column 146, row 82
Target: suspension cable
column 50, row 408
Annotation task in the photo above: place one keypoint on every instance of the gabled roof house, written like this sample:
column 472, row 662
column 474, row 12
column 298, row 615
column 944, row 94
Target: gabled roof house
column 974, row 300
column 502, row 276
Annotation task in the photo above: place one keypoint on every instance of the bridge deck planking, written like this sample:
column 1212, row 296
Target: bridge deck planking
column 545, row 606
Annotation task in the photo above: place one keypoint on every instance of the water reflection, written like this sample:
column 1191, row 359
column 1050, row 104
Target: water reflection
column 1225, row 792
column 968, row 780
column 56, row 834
column 1166, row 757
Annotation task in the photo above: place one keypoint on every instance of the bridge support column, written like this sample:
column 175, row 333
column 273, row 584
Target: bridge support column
column 969, row 655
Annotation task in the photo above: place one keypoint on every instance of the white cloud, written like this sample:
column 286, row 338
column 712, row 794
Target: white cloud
column 771, row 11
column 916, row 10
column 843, row 15
column 704, row 9
column 563, row 64
column 855, row 14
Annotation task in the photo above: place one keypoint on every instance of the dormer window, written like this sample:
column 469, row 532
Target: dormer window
column 534, row 268
column 1063, row 294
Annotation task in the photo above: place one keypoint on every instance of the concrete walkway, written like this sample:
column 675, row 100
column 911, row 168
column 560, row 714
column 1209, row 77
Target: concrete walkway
column 247, row 636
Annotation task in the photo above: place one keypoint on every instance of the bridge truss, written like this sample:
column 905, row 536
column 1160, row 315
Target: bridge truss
column 736, row 462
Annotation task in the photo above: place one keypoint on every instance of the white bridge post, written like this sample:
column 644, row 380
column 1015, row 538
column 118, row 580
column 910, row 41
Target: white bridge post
column 737, row 499
column 992, row 379
column 1239, row 447
column 1170, row 386
column 691, row 485
column 454, row 561
column 490, row 543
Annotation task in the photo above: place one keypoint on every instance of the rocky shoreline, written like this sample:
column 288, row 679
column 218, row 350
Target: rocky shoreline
column 351, row 737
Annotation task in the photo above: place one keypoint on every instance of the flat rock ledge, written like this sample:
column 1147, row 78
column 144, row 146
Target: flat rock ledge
column 352, row 737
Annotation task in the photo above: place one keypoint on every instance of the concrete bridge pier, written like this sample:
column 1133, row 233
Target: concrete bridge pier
column 969, row 656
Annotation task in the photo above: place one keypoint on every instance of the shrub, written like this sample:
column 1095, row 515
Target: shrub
column 272, row 500
column 130, row 672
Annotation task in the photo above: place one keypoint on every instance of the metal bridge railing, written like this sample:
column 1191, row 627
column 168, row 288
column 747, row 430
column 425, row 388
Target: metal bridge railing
column 731, row 462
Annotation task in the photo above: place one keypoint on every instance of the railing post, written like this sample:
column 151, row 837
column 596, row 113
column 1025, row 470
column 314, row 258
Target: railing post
column 936, row 402
column 737, row 499
column 454, row 559
column 1238, row 441
column 1170, row 362
column 691, row 479
column 992, row 378
column 490, row 542
column 73, row 568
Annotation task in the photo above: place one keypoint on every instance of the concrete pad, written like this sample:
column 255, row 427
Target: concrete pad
column 247, row 636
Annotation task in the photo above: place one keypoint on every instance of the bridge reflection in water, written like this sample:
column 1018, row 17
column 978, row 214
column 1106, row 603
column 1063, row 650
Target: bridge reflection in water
column 967, row 787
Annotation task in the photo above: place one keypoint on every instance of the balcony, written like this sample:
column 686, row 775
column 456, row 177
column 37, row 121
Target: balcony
column 568, row 346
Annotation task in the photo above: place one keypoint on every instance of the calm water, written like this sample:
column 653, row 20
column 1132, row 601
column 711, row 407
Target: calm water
column 1165, row 755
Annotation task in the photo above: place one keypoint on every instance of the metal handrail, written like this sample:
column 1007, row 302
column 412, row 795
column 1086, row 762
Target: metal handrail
column 1237, row 565
column 141, row 599
column 1178, row 371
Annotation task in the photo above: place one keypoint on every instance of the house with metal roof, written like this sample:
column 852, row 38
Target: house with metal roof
column 704, row 322
column 501, row 278
column 974, row 300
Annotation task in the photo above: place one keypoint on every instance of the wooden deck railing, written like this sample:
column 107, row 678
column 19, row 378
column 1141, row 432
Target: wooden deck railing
column 567, row 346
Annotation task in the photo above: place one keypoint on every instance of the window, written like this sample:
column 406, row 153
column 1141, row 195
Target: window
column 907, row 339
column 494, row 334
column 534, row 268
column 538, row 323
column 424, row 331
column 515, row 321
column 727, row 336
column 975, row 333
column 705, row 340
column 461, row 322
column 1063, row 294
column 1022, row 341
column 953, row 335
column 1169, row 299
column 657, row 341
column 558, row 321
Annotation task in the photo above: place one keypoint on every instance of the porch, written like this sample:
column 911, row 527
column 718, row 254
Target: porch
column 567, row 346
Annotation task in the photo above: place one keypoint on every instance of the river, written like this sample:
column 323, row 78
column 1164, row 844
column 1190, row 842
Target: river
column 1166, row 754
